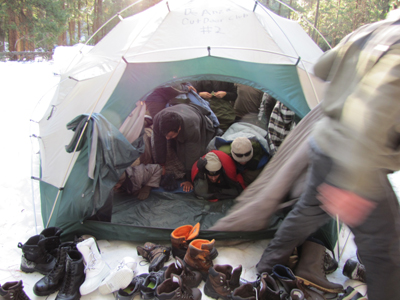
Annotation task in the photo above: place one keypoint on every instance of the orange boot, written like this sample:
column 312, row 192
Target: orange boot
column 181, row 237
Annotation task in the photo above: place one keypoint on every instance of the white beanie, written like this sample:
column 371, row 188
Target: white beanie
column 241, row 145
column 213, row 162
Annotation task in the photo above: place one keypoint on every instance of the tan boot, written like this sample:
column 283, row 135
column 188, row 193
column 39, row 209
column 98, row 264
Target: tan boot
column 198, row 256
column 181, row 237
column 222, row 280
column 310, row 268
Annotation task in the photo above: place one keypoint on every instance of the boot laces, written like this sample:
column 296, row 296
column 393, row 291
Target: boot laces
column 184, row 292
column 61, row 258
column 91, row 264
column 66, row 286
column 18, row 294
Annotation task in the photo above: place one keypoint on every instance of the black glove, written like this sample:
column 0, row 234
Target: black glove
column 168, row 182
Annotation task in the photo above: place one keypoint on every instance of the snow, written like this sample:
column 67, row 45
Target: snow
column 23, row 84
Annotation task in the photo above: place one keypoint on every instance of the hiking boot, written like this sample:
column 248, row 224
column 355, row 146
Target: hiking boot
column 189, row 278
column 181, row 237
column 156, row 255
column 35, row 256
column 13, row 290
column 74, row 277
column 54, row 279
column 221, row 281
column 268, row 289
column 287, row 279
column 52, row 239
column 354, row 270
column 352, row 294
column 120, row 277
column 330, row 264
column 198, row 256
column 150, row 284
column 132, row 289
column 95, row 268
column 173, row 289
column 310, row 268
column 245, row 292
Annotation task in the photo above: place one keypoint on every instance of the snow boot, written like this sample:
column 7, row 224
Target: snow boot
column 52, row 239
column 222, row 280
column 354, row 270
column 310, row 268
column 13, row 290
column 35, row 256
column 174, row 289
column 198, row 256
column 156, row 255
column 95, row 268
column 189, row 278
column 289, row 281
column 181, row 237
column 54, row 279
column 74, row 277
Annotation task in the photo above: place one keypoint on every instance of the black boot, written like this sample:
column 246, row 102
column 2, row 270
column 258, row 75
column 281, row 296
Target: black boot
column 156, row 255
column 13, row 290
column 35, row 256
column 52, row 239
column 74, row 277
column 53, row 281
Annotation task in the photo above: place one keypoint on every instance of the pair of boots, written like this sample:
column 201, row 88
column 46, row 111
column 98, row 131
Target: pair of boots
column 265, row 288
column 66, row 276
column 39, row 251
column 13, row 290
column 197, row 254
column 155, row 255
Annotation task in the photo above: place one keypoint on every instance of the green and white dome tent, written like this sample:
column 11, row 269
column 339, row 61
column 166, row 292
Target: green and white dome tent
column 177, row 40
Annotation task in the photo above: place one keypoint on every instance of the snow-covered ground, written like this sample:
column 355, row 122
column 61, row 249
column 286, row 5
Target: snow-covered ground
column 22, row 85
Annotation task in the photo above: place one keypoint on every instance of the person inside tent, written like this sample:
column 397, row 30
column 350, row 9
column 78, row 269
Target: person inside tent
column 165, row 95
column 221, row 96
column 188, row 129
column 248, row 103
column 214, row 177
column 247, row 155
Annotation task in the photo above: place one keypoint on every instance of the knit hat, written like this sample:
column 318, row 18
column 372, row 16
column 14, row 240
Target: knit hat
column 213, row 163
column 242, row 149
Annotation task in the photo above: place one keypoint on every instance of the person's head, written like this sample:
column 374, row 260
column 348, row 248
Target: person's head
column 213, row 167
column 170, row 125
column 242, row 150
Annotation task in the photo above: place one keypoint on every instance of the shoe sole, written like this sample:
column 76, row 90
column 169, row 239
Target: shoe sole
column 119, row 280
column 321, row 288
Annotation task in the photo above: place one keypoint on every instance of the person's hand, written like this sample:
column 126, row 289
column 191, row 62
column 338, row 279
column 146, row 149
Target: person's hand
column 187, row 186
column 351, row 208
column 220, row 94
column 205, row 95
column 191, row 88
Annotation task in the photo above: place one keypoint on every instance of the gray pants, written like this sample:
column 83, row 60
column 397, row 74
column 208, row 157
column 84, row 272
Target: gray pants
column 377, row 239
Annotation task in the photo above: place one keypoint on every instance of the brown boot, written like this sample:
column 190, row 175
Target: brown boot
column 310, row 268
column 174, row 289
column 156, row 255
column 245, row 292
column 198, row 256
column 190, row 278
column 268, row 288
column 289, row 281
column 13, row 290
column 181, row 237
column 222, row 281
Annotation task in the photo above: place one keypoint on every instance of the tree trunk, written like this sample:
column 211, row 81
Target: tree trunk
column 98, row 12
column 12, row 34
column 315, row 23
column 71, row 31
column 79, row 21
column 290, row 4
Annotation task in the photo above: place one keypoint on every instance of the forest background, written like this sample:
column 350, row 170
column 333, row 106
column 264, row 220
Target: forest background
column 42, row 25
